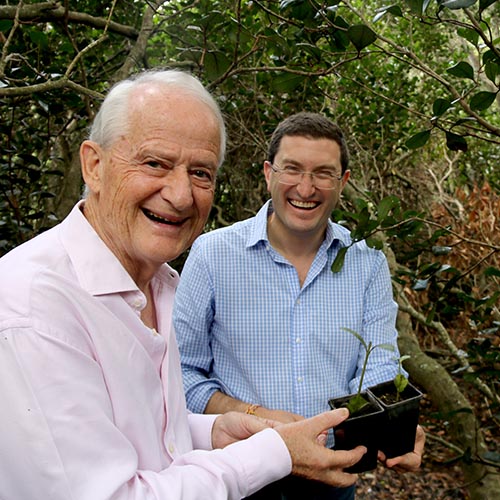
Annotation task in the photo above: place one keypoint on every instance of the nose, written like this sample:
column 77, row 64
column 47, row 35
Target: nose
column 178, row 189
column 306, row 186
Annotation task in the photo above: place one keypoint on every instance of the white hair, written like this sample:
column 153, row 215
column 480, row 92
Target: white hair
column 110, row 122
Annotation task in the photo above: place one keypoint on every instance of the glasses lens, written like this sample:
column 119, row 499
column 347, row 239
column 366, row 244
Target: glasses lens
column 292, row 177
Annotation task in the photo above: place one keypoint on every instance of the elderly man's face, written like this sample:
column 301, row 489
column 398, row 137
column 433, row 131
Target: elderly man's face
column 152, row 191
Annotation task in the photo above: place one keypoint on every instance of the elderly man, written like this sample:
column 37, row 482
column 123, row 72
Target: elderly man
column 90, row 381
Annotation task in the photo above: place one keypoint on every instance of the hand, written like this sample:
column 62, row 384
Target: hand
column 310, row 459
column 282, row 416
column 409, row 462
column 235, row 426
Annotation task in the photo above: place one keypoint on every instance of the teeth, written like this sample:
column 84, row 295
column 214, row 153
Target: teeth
column 156, row 218
column 303, row 204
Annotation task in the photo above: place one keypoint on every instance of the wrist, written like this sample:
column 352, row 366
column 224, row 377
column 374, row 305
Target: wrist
column 251, row 409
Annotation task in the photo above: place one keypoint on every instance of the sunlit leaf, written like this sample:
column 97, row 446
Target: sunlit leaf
column 458, row 4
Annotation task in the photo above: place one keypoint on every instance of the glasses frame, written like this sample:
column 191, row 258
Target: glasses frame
column 278, row 170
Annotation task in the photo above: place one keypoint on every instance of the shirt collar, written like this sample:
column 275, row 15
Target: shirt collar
column 97, row 268
column 334, row 232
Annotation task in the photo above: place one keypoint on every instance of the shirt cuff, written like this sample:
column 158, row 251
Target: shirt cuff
column 200, row 427
column 264, row 457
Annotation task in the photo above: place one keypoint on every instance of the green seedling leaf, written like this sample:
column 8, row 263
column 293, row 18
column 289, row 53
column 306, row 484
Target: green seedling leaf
column 401, row 382
column 356, row 404
column 357, row 335
column 387, row 347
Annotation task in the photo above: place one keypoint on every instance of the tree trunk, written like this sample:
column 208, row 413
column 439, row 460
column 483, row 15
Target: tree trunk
column 483, row 482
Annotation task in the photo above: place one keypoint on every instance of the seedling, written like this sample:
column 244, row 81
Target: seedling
column 357, row 402
column 400, row 380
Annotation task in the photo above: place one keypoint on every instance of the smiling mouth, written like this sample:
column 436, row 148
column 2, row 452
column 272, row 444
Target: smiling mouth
column 156, row 218
column 305, row 205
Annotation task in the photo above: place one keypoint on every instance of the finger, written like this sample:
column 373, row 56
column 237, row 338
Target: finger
column 325, row 421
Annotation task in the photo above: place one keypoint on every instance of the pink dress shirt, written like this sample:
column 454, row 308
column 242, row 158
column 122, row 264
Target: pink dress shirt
column 92, row 405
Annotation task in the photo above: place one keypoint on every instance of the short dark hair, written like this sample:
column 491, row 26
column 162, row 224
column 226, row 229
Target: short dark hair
column 313, row 125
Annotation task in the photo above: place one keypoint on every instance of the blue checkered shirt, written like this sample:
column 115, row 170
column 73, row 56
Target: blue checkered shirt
column 247, row 328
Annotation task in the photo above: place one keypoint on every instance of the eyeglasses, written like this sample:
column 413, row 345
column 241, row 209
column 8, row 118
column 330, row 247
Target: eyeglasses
column 292, row 175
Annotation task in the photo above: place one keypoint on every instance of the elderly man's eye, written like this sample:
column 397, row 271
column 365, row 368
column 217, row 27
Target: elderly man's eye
column 154, row 164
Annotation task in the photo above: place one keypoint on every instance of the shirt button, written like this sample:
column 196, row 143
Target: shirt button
column 299, row 379
column 171, row 447
column 298, row 340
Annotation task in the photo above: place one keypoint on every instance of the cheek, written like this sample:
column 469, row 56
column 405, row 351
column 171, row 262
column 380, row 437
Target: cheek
column 204, row 201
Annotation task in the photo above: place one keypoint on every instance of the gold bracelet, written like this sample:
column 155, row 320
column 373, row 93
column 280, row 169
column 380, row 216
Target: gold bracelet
column 251, row 409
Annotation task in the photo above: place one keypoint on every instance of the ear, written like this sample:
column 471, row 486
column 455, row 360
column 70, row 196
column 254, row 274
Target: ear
column 267, row 174
column 345, row 178
column 91, row 160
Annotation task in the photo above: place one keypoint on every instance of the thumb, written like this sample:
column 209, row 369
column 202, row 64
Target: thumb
column 328, row 419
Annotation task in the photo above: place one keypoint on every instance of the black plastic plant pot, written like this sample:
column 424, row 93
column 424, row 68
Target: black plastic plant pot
column 359, row 429
column 400, row 422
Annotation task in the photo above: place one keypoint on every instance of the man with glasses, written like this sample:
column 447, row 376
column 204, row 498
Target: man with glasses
column 259, row 316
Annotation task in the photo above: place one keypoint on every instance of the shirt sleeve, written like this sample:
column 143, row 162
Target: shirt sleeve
column 378, row 327
column 59, row 439
column 193, row 316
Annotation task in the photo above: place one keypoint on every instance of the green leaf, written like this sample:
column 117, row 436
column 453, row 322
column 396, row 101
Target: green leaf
column 482, row 100
column 401, row 382
column 395, row 10
column 492, row 70
column 361, row 36
column 298, row 9
column 357, row 335
column 440, row 106
column 356, row 404
column 39, row 38
column 387, row 347
column 468, row 34
column 287, row 82
column 338, row 263
column 462, row 70
column 5, row 25
column 458, row 4
column 484, row 4
column 216, row 64
column 455, row 142
column 385, row 206
column 418, row 140
column 492, row 271
column 418, row 6
column 375, row 243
